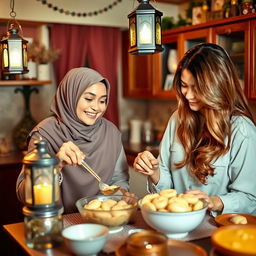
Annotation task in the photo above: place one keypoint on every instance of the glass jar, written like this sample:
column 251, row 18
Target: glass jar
column 147, row 243
column 148, row 133
column 43, row 229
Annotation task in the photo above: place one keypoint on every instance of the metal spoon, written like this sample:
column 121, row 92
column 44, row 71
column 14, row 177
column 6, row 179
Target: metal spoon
column 105, row 189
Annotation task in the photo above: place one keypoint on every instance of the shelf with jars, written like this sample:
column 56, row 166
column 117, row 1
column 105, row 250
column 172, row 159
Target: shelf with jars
column 150, row 76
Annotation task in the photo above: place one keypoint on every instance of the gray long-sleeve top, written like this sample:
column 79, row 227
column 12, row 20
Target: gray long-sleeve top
column 234, row 179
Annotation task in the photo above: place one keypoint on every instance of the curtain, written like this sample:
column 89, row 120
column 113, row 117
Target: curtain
column 97, row 46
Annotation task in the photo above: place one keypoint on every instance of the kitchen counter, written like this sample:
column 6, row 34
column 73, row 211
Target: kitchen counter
column 132, row 150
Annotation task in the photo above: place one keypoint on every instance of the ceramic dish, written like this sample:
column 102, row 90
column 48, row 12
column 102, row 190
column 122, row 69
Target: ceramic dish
column 224, row 219
column 235, row 240
column 175, row 247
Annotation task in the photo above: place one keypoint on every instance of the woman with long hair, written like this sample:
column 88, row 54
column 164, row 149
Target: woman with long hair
column 209, row 145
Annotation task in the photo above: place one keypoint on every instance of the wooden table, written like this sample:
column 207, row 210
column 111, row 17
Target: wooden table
column 16, row 232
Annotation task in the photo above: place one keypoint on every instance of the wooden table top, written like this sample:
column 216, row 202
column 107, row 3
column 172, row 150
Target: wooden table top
column 16, row 232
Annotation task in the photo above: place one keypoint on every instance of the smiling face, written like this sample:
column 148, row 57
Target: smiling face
column 92, row 104
column 188, row 90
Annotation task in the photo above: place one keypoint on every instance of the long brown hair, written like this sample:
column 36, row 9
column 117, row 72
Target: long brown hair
column 217, row 86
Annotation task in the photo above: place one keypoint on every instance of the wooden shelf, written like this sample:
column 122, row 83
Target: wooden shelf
column 27, row 82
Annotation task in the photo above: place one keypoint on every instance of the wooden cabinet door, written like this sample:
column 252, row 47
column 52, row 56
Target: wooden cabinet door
column 137, row 72
column 189, row 39
column 252, row 49
column 235, row 40
column 165, row 64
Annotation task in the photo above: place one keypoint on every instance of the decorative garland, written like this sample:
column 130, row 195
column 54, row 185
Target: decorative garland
column 79, row 14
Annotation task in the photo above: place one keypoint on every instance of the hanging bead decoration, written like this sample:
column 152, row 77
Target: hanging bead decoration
column 79, row 14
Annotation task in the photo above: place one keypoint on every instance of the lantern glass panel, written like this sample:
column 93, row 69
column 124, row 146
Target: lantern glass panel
column 25, row 55
column 15, row 50
column 158, row 31
column 132, row 32
column 145, row 28
column 28, row 186
column 5, row 56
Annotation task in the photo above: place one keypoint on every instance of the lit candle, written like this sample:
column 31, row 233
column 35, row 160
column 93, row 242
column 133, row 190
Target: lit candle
column 43, row 193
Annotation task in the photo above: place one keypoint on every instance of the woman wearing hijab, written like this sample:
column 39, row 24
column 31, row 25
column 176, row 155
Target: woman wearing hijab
column 78, row 131
column 208, row 148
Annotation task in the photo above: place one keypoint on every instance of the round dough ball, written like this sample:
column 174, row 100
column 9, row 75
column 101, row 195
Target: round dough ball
column 168, row 192
column 147, row 198
column 94, row 204
column 178, row 207
column 160, row 202
column 198, row 206
column 180, row 200
column 238, row 219
column 149, row 206
column 192, row 199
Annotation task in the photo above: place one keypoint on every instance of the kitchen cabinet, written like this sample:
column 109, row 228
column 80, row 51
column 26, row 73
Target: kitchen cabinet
column 235, row 39
column 151, row 76
column 252, row 81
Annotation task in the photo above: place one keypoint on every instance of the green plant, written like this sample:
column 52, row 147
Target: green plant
column 167, row 23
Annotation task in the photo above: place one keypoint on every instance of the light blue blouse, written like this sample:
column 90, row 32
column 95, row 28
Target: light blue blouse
column 234, row 180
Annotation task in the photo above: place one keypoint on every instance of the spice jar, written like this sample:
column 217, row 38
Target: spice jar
column 247, row 7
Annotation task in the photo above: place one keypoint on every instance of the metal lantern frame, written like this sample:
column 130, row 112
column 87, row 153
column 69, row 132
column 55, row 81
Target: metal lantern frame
column 145, row 35
column 36, row 163
column 13, row 48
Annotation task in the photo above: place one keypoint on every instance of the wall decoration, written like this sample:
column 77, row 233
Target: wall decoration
column 79, row 14
column 197, row 15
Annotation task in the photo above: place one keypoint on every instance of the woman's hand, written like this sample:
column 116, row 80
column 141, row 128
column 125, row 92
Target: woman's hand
column 214, row 202
column 69, row 154
column 147, row 164
column 127, row 193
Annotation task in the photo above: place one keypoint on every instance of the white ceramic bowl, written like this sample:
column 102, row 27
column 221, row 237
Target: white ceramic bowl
column 174, row 225
column 113, row 219
column 85, row 239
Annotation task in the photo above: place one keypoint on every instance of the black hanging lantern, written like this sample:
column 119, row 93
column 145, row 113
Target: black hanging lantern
column 145, row 29
column 13, row 48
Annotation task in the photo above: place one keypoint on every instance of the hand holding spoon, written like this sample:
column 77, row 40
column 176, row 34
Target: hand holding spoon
column 105, row 189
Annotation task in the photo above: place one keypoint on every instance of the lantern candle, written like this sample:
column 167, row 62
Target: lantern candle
column 145, row 34
column 43, row 193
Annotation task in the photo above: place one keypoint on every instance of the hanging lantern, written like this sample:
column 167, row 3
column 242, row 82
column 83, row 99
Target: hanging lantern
column 43, row 209
column 13, row 48
column 145, row 29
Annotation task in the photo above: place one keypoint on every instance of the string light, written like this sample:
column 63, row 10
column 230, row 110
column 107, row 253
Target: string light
column 79, row 14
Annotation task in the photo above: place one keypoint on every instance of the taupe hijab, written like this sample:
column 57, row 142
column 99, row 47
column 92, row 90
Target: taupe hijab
column 101, row 142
